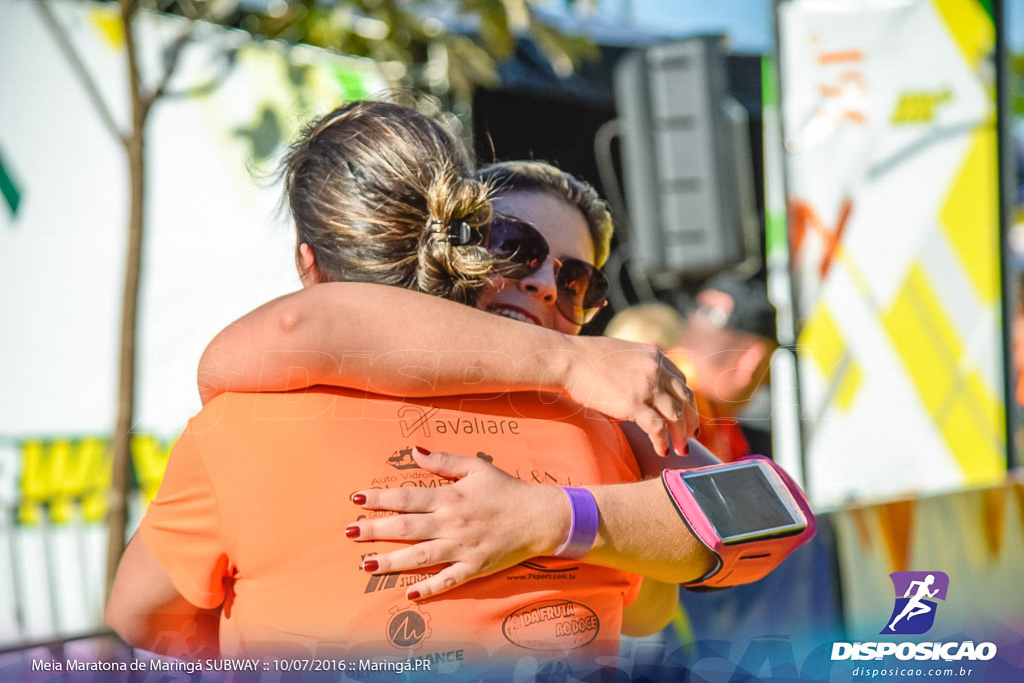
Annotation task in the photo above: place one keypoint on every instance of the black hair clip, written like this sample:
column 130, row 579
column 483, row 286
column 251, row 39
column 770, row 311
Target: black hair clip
column 456, row 233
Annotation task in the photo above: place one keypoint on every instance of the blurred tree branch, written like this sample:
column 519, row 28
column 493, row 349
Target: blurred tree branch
column 132, row 139
column 446, row 49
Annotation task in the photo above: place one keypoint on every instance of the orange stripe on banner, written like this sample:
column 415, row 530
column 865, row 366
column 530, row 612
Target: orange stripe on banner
column 1018, row 489
column 993, row 515
column 800, row 214
column 896, row 520
column 803, row 219
column 859, row 518
column 837, row 236
column 846, row 56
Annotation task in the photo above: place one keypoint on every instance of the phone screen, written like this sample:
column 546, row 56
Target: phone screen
column 742, row 504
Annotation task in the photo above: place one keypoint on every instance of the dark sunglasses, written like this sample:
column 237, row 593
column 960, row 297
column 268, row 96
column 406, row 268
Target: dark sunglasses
column 582, row 288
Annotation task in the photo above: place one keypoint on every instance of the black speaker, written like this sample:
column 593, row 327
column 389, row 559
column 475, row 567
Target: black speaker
column 687, row 162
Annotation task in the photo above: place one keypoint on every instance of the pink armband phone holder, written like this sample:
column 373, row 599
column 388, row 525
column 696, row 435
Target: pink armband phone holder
column 742, row 558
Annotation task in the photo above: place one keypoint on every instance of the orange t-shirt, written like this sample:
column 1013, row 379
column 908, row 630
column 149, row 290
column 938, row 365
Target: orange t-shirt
column 257, row 489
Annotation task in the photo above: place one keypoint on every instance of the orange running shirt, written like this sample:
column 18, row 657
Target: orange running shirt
column 257, row 489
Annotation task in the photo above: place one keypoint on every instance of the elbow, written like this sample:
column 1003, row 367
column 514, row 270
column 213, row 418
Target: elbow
column 113, row 619
column 289, row 320
column 183, row 631
column 128, row 628
column 696, row 564
column 653, row 610
column 289, row 315
column 125, row 616
column 649, row 626
column 227, row 361
column 291, row 327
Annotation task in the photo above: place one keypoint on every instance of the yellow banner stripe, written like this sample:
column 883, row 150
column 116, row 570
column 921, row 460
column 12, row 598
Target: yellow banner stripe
column 820, row 338
column 969, row 217
column 823, row 341
column 973, row 427
column 970, row 26
column 965, row 411
column 851, row 381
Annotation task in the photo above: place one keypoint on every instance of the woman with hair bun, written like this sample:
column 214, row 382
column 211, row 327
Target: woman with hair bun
column 250, row 519
column 367, row 204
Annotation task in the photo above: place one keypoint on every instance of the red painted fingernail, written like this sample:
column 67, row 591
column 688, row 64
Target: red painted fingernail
column 352, row 531
column 422, row 450
column 370, row 565
column 413, row 595
column 359, row 498
column 686, row 449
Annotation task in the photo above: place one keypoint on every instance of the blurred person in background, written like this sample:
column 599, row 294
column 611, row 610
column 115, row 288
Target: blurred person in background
column 648, row 323
column 1015, row 243
column 724, row 352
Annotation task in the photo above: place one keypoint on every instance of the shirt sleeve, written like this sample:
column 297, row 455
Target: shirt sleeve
column 181, row 528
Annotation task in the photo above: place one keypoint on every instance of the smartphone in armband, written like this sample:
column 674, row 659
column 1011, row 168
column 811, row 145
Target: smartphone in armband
column 749, row 513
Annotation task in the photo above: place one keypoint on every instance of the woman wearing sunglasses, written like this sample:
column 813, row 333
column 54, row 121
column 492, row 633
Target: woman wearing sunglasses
column 335, row 334
column 538, row 261
column 249, row 520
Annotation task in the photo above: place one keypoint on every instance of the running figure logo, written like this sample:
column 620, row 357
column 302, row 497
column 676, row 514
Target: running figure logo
column 916, row 592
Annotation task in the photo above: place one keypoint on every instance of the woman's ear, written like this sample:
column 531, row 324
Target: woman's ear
column 305, row 262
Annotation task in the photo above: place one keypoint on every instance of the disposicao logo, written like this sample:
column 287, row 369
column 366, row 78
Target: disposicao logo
column 914, row 610
column 913, row 613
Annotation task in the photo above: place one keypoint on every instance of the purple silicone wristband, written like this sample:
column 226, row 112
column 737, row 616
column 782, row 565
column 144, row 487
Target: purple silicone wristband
column 583, row 525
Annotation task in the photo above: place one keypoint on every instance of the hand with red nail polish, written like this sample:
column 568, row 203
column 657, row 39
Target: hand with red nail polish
column 637, row 383
column 465, row 527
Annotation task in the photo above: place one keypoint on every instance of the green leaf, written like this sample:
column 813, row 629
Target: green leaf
column 564, row 52
column 495, row 32
column 469, row 66
column 394, row 31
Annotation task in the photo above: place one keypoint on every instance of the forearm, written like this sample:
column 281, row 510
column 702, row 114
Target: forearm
column 640, row 531
column 381, row 339
column 147, row 611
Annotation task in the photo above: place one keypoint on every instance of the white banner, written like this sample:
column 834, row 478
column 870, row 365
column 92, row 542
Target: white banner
column 215, row 247
column 889, row 125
